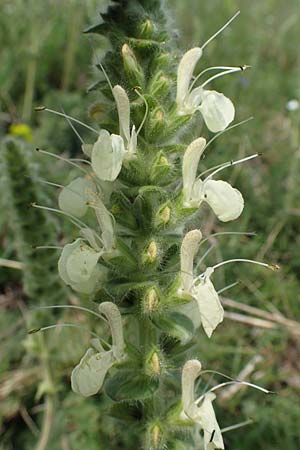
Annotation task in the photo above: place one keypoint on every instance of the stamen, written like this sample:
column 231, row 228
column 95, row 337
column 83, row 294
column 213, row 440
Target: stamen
column 81, row 160
column 223, row 233
column 62, row 159
column 227, row 383
column 258, row 263
column 78, row 222
column 104, row 73
column 237, row 425
column 63, row 325
column 205, row 255
column 46, row 247
column 146, row 111
column 220, row 30
column 219, row 75
column 49, row 183
column 72, row 126
column 81, row 308
column 208, row 70
column 232, row 163
column 227, row 129
column 52, row 111
column 229, row 286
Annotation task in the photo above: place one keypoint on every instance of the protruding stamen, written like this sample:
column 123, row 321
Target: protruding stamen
column 210, row 69
column 46, row 247
column 146, row 111
column 221, row 74
column 208, row 251
column 237, row 425
column 72, row 126
column 44, row 152
column 81, row 308
column 258, row 263
column 220, row 30
column 227, row 383
column 65, row 325
column 57, row 113
column 227, row 129
column 224, row 233
column 230, row 164
column 229, row 286
column 75, row 220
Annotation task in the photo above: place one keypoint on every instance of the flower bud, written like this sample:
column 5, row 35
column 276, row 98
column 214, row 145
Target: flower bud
column 155, row 440
column 153, row 364
column 157, row 123
column 132, row 67
column 159, row 85
column 151, row 301
column 150, row 256
column 163, row 216
column 160, row 170
column 146, row 29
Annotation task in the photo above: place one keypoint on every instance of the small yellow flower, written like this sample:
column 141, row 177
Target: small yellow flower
column 22, row 130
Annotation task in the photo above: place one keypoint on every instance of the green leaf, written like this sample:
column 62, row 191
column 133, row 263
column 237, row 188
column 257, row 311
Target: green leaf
column 176, row 325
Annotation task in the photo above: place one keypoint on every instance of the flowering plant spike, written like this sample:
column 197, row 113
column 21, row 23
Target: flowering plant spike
column 136, row 251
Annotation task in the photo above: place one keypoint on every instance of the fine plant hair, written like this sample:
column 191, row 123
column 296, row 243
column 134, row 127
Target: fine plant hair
column 19, row 172
column 139, row 204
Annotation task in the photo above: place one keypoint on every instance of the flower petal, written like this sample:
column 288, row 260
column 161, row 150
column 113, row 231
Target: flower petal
column 107, row 156
column 226, row 201
column 217, row 110
column 81, row 263
column 185, row 71
column 88, row 376
column 189, row 249
column 207, row 419
column 113, row 315
column 190, row 372
column 72, row 198
column 123, row 107
column 210, row 308
column 86, row 287
column 105, row 221
column 190, row 162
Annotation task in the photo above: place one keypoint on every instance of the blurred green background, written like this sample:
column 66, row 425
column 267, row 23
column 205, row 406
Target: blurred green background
column 45, row 59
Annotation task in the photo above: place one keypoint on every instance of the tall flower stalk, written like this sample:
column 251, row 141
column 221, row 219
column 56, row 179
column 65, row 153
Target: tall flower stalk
column 137, row 192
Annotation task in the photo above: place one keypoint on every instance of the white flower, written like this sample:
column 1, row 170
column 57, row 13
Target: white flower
column 205, row 307
column 105, row 221
column 226, row 201
column 77, row 266
column 293, row 105
column 110, row 150
column 216, row 109
column 210, row 309
column 189, row 249
column 107, row 156
column 204, row 414
column 73, row 197
column 88, row 376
